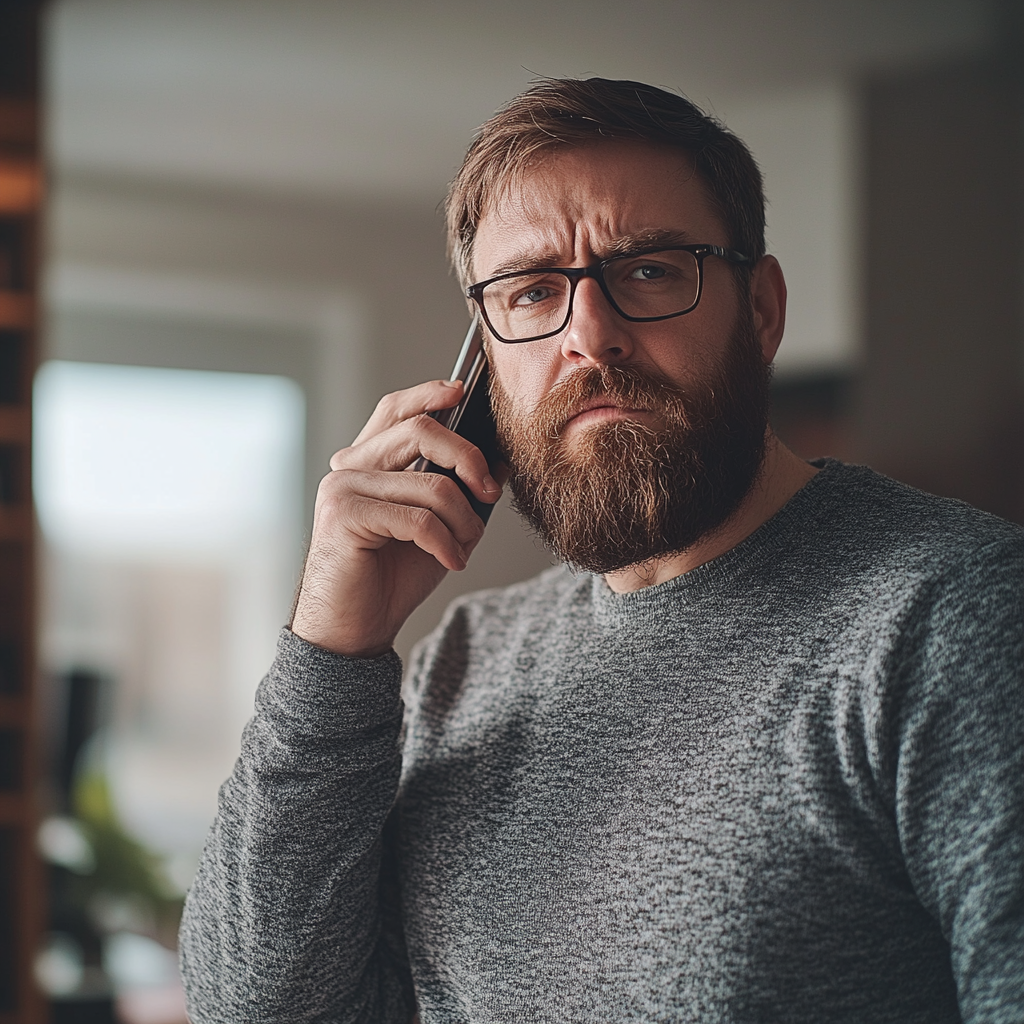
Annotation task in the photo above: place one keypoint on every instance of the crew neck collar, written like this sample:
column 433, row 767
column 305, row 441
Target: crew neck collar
column 637, row 608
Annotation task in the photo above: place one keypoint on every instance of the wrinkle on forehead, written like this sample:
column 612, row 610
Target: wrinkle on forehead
column 553, row 213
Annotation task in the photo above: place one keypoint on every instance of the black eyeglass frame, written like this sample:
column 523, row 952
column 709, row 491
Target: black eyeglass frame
column 700, row 253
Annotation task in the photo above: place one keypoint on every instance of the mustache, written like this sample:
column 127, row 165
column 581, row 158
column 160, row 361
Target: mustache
column 627, row 386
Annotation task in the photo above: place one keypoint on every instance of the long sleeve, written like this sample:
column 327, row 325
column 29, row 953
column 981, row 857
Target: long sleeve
column 961, row 777
column 289, row 918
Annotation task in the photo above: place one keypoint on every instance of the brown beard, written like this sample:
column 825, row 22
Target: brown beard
column 625, row 493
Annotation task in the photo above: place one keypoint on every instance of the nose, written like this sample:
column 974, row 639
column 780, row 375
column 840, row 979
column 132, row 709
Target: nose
column 596, row 334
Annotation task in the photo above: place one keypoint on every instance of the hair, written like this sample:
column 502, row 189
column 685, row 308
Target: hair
column 560, row 112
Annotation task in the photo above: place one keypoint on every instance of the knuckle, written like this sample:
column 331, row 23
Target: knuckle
column 424, row 423
column 334, row 488
column 339, row 458
column 413, row 425
column 388, row 405
column 421, row 518
column 468, row 451
column 471, row 531
column 327, row 485
column 438, row 484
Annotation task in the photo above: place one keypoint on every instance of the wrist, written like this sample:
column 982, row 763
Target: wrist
column 337, row 641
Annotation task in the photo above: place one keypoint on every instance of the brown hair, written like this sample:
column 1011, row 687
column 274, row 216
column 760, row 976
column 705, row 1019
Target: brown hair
column 564, row 112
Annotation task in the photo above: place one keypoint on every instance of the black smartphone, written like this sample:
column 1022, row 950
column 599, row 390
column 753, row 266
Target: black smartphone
column 471, row 418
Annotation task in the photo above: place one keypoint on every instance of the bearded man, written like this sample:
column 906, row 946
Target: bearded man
column 756, row 753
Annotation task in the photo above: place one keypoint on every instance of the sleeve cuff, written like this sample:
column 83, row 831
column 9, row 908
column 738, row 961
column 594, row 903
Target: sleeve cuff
column 313, row 690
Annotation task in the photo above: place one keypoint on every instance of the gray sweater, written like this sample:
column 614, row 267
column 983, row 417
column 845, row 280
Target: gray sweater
column 786, row 786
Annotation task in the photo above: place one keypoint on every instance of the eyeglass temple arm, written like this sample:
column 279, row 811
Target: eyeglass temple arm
column 728, row 254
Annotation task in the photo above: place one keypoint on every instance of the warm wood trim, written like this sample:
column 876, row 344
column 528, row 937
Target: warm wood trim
column 21, row 187
column 17, row 309
column 15, row 423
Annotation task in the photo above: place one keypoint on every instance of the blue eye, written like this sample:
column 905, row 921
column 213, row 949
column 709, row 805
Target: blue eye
column 532, row 296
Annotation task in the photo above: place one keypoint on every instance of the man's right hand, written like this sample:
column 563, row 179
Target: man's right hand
column 383, row 538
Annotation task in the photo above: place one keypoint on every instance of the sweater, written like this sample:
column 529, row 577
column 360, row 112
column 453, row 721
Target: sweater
column 787, row 785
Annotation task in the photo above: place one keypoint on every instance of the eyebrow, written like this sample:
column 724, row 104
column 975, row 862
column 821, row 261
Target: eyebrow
column 637, row 241
column 641, row 240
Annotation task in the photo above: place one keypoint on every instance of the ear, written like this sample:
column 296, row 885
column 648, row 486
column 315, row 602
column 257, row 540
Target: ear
column 768, row 301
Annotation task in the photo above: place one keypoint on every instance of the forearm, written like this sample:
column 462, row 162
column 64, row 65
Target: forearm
column 283, row 921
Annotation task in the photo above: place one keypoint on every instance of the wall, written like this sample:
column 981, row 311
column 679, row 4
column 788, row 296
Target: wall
column 941, row 401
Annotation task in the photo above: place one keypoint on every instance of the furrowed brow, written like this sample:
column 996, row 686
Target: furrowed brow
column 527, row 260
column 637, row 241
column 640, row 240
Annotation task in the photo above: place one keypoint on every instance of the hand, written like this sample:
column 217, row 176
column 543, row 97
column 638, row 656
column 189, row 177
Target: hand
column 383, row 539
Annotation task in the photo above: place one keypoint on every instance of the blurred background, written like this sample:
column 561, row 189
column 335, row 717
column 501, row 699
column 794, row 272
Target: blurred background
column 239, row 248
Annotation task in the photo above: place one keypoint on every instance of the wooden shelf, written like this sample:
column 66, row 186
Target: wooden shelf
column 17, row 309
column 15, row 424
column 21, row 187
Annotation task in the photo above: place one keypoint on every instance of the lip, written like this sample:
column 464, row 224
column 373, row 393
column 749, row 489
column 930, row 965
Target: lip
column 601, row 410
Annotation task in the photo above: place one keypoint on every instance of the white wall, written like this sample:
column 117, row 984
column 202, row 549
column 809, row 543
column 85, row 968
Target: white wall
column 804, row 142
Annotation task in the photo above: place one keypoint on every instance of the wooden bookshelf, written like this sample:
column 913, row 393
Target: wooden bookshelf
column 22, row 902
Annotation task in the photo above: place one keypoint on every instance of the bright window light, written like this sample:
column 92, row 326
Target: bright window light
column 141, row 461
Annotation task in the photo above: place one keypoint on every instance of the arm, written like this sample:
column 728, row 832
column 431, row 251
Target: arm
column 286, row 920
column 960, row 782
column 282, row 922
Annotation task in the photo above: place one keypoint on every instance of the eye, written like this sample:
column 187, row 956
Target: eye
column 647, row 272
column 532, row 296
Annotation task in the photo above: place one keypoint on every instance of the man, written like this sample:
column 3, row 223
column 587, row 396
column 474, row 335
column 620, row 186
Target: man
column 755, row 755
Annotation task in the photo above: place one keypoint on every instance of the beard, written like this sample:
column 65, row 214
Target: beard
column 626, row 493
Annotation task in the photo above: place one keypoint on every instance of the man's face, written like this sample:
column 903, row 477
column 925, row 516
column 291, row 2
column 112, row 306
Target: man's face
column 628, row 441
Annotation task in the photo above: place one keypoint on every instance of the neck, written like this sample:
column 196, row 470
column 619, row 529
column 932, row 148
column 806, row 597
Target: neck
column 782, row 475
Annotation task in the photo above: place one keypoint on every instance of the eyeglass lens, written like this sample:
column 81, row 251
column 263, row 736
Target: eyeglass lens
column 656, row 284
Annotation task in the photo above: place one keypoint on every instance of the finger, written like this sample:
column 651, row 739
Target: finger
column 400, row 446
column 431, row 491
column 378, row 522
column 501, row 472
column 403, row 405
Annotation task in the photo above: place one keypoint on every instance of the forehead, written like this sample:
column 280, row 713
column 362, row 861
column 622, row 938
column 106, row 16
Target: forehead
column 573, row 204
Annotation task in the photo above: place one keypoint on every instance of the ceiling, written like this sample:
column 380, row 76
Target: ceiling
column 379, row 99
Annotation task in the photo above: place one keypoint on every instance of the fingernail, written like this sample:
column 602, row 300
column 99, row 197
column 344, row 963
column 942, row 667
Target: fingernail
column 490, row 484
column 452, row 383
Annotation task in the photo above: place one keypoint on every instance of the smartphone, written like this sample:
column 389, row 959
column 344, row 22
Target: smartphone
column 471, row 418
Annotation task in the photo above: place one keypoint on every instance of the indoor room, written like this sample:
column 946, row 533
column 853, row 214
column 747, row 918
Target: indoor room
column 222, row 240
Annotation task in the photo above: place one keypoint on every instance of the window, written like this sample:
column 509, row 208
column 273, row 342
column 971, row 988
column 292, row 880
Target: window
column 170, row 503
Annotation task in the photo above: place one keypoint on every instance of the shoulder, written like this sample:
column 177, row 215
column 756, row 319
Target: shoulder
column 935, row 586
column 885, row 528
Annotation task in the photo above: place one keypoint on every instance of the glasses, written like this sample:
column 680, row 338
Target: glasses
column 528, row 305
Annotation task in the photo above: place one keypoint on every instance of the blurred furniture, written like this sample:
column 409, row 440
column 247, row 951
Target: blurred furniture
column 811, row 414
column 941, row 397
column 21, row 910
